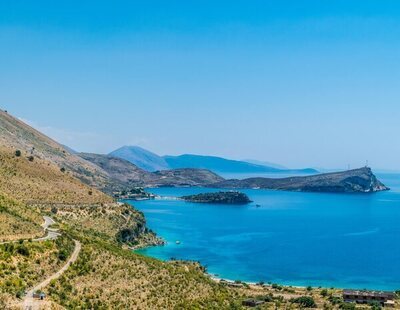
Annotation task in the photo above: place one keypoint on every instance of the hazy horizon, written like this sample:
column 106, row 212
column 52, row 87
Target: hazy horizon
column 304, row 84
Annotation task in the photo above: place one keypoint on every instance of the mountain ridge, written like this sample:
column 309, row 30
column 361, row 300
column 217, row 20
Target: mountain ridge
column 150, row 161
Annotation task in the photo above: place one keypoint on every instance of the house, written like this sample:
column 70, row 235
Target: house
column 252, row 302
column 364, row 296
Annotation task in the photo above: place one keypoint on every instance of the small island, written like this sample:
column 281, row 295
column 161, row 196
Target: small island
column 231, row 197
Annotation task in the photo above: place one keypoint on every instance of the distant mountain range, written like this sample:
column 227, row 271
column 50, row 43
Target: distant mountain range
column 152, row 162
column 47, row 171
column 142, row 158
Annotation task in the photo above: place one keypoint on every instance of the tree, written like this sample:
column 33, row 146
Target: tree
column 31, row 158
column 62, row 169
column 305, row 301
column 17, row 153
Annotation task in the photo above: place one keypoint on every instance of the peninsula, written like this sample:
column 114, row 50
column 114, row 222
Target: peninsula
column 360, row 180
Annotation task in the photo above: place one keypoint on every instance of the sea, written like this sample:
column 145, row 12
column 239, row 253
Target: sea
column 289, row 238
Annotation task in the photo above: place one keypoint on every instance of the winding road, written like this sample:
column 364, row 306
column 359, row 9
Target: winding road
column 31, row 303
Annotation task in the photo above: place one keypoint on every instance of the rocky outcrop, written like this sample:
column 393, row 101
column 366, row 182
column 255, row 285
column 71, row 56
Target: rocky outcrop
column 352, row 181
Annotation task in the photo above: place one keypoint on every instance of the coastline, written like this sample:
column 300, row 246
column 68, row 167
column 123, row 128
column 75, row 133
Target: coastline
column 340, row 282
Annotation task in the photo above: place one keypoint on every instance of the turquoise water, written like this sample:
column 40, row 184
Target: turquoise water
column 340, row 240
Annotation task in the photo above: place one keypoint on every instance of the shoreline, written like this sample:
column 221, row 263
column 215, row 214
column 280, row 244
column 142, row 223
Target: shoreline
column 266, row 283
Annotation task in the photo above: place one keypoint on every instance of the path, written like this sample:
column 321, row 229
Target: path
column 29, row 302
column 52, row 234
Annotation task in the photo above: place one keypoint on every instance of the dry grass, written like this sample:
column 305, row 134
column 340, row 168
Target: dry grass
column 27, row 263
column 107, row 277
column 105, row 221
column 18, row 221
column 42, row 181
column 17, row 135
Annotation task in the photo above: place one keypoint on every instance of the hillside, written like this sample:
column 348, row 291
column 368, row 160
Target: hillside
column 37, row 180
column 120, row 170
column 128, row 174
column 17, row 221
column 16, row 135
column 140, row 157
column 357, row 180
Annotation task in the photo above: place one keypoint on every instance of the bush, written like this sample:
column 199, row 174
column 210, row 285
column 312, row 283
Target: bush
column 347, row 306
column 62, row 255
column 17, row 153
column 62, row 169
column 375, row 305
column 31, row 158
column 305, row 301
column 324, row 292
column 23, row 250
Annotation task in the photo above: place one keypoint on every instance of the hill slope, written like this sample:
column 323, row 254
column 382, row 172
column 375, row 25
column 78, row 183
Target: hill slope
column 357, row 180
column 15, row 134
column 140, row 157
column 42, row 181
column 17, row 221
column 130, row 175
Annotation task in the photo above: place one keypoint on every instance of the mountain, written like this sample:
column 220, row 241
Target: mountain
column 127, row 174
column 223, row 165
column 265, row 163
column 140, row 157
column 358, row 180
column 152, row 162
column 185, row 177
column 120, row 170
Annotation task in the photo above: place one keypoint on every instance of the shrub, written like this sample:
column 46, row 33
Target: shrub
column 31, row 158
column 23, row 250
column 375, row 305
column 324, row 292
column 305, row 301
column 17, row 153
column 62, row 255
column 347, row 306
column 62, row 169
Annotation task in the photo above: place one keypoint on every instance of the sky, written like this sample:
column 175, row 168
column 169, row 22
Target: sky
column 300, row 83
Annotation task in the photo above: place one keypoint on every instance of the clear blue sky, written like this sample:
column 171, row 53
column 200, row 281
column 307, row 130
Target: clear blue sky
column 300, row 83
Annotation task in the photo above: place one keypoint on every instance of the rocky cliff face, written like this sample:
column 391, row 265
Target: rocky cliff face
column 352, row 181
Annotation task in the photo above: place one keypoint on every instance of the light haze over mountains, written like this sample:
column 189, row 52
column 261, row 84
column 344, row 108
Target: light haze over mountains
column 152, row 162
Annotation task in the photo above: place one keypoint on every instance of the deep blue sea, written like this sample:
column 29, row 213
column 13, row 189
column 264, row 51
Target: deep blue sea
column 330, row 240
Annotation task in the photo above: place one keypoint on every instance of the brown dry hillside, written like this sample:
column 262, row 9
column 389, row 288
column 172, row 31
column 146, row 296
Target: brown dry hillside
column 15, row 134
column 17, row 221
column 42, row 181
